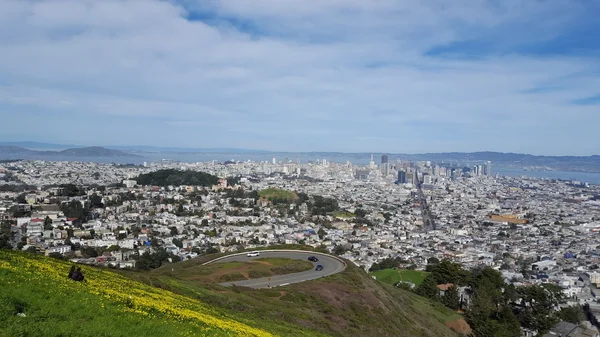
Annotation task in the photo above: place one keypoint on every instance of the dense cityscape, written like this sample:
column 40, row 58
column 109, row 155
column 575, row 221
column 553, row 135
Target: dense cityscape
column 533, row 231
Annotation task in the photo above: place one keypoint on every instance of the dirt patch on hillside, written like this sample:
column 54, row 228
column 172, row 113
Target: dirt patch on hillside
column 460, row 326
column 339, row 296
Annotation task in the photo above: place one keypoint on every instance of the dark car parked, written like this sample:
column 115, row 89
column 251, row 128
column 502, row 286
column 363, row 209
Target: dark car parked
column 319, row 267
column 313, row 258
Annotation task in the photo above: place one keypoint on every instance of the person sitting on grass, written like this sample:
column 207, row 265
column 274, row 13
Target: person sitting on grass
column 71, row 272
column 78, row 275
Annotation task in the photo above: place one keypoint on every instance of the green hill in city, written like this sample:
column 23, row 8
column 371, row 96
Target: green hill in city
column 37, row 299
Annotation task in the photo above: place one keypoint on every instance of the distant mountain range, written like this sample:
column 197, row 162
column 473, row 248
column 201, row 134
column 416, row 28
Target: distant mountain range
column 133, row 148
column 93, row 151
column 48, row 151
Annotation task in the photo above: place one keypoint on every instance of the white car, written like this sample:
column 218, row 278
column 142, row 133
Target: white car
column 253, row 254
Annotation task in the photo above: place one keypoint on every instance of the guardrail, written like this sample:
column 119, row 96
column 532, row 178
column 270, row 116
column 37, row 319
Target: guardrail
column 279, row 250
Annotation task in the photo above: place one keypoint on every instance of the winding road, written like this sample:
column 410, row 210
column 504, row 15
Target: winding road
column 331, row 265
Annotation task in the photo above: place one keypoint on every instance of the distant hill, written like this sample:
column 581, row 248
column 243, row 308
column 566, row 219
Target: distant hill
column 184, row 150
column 130, row 148
column 93, row 151
column 9, row 149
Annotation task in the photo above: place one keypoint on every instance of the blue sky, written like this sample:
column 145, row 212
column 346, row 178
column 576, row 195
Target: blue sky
column 303, row 75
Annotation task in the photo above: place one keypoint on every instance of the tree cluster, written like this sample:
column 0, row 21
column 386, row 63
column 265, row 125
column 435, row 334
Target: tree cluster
column 148, row 261
column 5, row 235
column 497, row 309
column 386, row 263
column 16, row 187
column 323, row 206
column 176, row 177
column 71, row 190
column 75, row 209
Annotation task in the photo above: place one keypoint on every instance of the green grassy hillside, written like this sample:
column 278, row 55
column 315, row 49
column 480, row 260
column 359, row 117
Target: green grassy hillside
column 392, row 276
column 235, row 271
column 37, row 299
column 279, row 194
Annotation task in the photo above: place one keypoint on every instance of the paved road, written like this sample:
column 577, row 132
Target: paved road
column 330, row 265
column 428, row 221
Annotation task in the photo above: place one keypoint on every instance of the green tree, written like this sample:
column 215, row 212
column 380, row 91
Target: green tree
column 360, row 213
column 433, row 260
column 508, row 324
column 20, row 199
column 339, row 250
column 451, row 298
column 47, row 223
column 74, row 209
column 90, row 252
column 177, row 242
column 573, row 315
column 96, row 201
column 113, row 248
column 537, row 312
column 211, row 250
column 489, row 313
column 428, row 288
column 450, row 272
column 321, row 233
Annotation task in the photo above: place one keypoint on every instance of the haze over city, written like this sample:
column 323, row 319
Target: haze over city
column 351, row 76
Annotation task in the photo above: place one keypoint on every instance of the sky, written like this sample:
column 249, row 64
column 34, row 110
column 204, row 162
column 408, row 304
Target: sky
column 304, row 75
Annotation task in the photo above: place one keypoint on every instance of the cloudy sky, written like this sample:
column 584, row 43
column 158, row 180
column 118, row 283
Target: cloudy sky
column 304, row 75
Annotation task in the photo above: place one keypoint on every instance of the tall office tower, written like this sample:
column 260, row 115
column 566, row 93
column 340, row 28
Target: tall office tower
column 384, row 158
column 453, row 174
column 443, row 171
column 427, row 179
column 480, row 169
column 435, row 170
column 361, row 174
column 372, row 163
column 488, row 168
column 385, row 169
column 324, row 162
column 274, row 161
column 475, row 170
column 401, row 177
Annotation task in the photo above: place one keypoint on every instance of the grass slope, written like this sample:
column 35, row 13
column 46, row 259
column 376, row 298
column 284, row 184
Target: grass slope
column 235, row 271
column 108, row 304
column 391, row 276
column 129, row 303
column 350, row 303
column 276, row 193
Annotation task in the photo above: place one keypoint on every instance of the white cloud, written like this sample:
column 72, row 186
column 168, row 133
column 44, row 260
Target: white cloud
column 333, row 71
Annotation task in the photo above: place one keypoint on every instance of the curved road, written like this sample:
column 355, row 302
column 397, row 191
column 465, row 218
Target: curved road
column 331, row 265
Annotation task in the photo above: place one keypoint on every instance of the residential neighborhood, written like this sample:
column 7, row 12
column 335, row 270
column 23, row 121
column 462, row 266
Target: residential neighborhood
column 534, row 231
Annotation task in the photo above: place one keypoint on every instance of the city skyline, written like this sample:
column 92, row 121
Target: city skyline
column 334, row 76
